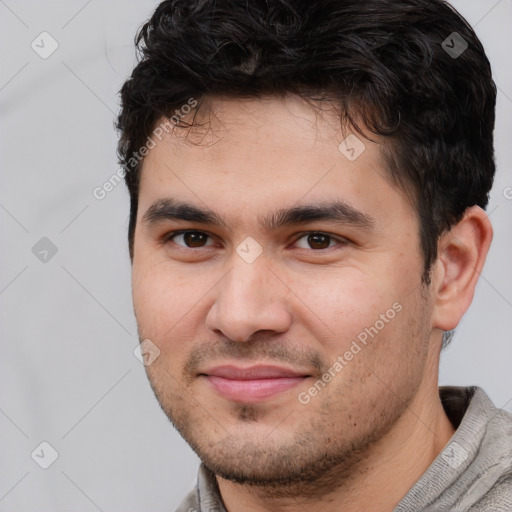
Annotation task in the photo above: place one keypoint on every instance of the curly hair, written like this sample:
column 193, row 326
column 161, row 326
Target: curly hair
column 386, row 63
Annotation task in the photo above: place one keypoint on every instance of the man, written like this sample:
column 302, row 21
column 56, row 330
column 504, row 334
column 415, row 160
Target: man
column 308, row 183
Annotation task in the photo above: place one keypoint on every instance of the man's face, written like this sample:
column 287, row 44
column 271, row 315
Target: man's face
column 252, row 312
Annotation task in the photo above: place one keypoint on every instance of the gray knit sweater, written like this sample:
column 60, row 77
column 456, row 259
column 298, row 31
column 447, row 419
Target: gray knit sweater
column 473, row 473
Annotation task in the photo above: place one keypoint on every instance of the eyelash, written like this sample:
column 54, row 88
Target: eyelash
column 340, row 240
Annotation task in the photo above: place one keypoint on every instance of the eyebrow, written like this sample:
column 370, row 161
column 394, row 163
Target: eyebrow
column 170, row 209
column 337, row 211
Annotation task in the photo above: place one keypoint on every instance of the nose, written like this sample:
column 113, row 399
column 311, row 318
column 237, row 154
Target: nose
column 249, row 299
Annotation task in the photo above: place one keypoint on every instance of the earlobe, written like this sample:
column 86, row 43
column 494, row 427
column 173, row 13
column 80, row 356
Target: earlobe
column 461, row 257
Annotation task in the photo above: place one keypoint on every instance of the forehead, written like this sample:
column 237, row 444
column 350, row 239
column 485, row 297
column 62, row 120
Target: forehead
column 265, row 153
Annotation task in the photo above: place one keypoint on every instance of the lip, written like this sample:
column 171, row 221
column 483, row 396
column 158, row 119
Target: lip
column 254, row 383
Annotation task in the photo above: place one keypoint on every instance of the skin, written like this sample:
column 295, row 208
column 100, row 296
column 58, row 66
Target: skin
column 362, row 441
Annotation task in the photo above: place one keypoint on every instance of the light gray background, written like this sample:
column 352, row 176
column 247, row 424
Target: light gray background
column 68, row 375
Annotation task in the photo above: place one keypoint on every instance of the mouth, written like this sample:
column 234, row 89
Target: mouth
column 252, row 384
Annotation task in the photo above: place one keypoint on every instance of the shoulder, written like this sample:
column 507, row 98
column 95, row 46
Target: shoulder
column 498, row 498
column 492, row 468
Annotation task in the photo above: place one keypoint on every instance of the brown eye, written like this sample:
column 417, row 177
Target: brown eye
column 191, row 239
column 319, row 241
column 195, row 238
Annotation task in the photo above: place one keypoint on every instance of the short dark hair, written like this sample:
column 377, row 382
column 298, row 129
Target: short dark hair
column 394, row 67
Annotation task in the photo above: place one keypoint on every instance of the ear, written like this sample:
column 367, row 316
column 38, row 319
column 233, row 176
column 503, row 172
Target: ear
column 461, row 256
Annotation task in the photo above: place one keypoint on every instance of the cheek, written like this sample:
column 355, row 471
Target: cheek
column 346, row 304
column 160, row 299
column 171, row 305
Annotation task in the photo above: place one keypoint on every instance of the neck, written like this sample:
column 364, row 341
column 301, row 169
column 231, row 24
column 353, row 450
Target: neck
column 379, row 481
